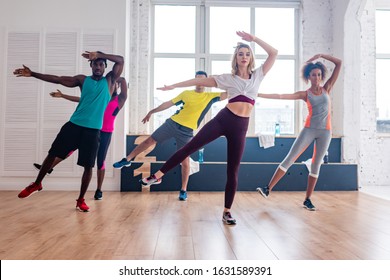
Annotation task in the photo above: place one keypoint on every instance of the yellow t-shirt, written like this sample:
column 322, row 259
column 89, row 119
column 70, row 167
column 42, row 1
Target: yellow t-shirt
column 194, row 106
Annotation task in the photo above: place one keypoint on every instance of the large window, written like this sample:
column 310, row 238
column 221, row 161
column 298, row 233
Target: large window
column 202, row 37
column 382, row 70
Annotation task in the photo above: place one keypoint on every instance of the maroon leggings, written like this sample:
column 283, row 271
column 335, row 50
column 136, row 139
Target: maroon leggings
column 227, row 124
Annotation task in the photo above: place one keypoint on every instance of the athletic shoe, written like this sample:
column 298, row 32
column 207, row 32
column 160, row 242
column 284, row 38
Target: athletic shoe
column 228, row 219
column 308, row 205
column 182, row 195
column 38, row 166
column 122, row 163
column 81, row 206
column 264, row 191
column 30, row 189
column 152, row 180
column 98, row 195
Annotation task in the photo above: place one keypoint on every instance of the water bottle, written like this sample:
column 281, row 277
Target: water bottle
column 277, row 129
column 200, row 155
column 326, row 157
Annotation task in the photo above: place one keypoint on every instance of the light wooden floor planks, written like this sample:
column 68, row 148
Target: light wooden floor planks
column 133, row 226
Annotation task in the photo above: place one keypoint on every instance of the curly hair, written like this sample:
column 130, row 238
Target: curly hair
column 308, row 67
column 251, row 64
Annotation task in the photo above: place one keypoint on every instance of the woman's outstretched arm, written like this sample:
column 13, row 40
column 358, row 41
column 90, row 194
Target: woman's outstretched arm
column 206, row 82
column 285, row 96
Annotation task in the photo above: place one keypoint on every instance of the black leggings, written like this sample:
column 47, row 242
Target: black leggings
column 105, row 140
column 227, row 124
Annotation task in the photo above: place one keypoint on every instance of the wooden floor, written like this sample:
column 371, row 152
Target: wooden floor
column 133, row 226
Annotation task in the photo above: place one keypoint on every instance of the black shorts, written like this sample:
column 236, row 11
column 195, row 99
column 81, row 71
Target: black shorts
column 74, row 137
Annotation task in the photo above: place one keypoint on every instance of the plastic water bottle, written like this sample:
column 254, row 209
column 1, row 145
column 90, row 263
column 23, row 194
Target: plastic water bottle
column 326, row 157
column 277, row 129
column 200, row 155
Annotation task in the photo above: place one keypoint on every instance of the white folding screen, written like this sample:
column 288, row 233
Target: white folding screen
column 32, row 118
column 60, row 58
column 21, row 104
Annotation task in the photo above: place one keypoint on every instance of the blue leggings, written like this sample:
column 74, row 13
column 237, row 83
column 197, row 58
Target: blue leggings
column 227, row 124
column 321, row 138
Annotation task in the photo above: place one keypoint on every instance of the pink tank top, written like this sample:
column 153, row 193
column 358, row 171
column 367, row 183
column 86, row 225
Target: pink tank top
column 110, row 115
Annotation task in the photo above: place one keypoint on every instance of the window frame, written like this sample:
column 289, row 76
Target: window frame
column 203, row 57
column 381, row 56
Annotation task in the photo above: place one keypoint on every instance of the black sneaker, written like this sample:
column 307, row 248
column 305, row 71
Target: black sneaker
column 98, row 195
column 308, row 205
column 152, row 180
column 264, row 191
column 122, row 163
column 38, row 166
column 228, row 219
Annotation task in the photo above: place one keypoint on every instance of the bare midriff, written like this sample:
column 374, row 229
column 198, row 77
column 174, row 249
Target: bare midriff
column 241, row 109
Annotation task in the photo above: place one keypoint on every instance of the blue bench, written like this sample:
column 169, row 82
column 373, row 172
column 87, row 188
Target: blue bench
column 257, row 167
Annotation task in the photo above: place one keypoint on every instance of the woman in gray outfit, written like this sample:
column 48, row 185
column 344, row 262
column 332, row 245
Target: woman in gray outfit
column 317, row 126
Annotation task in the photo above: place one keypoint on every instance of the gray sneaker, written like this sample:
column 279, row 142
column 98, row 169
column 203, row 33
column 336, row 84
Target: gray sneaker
column 308, row 205
column 152, row 180
column 228, row 219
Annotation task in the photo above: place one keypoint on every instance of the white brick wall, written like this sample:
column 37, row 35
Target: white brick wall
column 140, row 99
column 317, row 27
column 374, row 165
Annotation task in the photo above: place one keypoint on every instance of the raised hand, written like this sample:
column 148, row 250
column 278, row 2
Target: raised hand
column 146, row 118
column 57, row 93
column 23, row 72
column 245, row 36
column 90, row 55
column 317, row 56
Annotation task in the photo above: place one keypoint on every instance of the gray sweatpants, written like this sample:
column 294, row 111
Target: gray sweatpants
column 321, row 138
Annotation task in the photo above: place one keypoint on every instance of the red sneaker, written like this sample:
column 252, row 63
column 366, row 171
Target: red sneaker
column 30, row 189
column 81, row 206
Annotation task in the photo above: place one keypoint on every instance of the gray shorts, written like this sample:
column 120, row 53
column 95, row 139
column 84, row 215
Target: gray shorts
column 169, row 129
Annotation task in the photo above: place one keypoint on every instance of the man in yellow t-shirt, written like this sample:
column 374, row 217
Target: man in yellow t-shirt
column 194, row 105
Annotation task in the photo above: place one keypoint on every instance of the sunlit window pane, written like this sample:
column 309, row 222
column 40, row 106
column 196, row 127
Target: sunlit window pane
column 224, row 22
column 382, row 31
column 169, row 71
column 383, row 95
column 174, row 29
column 382, row 69
column 270, row 111
column 276, row 26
